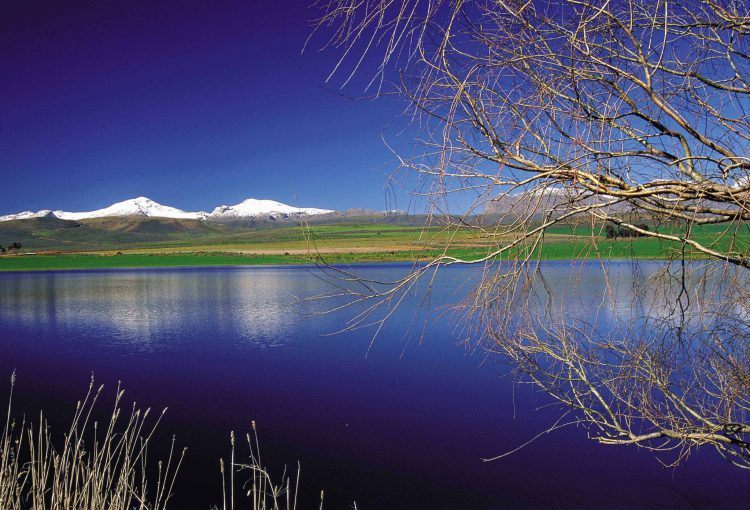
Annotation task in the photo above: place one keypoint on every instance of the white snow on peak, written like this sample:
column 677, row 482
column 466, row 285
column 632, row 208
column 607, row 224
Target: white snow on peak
column 26, row 215
column 140, row 206
column 146, row 207
column 254, row 208
column 543, row 190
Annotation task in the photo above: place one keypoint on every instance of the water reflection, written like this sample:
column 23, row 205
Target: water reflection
column 150, row 307
column 620, row 296
column 388, row 430
column 258, row 307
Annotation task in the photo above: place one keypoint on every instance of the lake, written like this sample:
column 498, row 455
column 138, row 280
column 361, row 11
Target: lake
column 404, row 424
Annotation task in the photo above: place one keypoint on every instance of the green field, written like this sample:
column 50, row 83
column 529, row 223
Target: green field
column 182, row 244
column 67, row 261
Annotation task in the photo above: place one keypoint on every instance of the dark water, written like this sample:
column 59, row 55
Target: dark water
column 404, row 427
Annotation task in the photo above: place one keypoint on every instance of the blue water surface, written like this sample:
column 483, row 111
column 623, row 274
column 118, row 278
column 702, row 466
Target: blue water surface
column 403, row 424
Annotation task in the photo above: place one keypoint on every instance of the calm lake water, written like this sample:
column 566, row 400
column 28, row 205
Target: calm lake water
column 403, row 426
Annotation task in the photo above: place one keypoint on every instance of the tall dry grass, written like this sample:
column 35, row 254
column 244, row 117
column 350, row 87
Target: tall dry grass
column 95, row 466
column 106, row 466
column 251, row 483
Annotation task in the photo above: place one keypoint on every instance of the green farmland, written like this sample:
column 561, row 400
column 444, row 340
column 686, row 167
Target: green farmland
column 99, row 245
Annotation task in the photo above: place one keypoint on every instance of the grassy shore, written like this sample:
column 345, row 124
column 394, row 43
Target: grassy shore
column 350, row 245
column 644, row 249
column 156, row 260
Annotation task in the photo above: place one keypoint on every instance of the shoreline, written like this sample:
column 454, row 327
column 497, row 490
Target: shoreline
column 88, row 262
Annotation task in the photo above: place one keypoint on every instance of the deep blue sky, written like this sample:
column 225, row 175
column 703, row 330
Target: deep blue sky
column 193, row 104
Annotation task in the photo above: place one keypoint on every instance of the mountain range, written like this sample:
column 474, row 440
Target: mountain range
column 145, row 207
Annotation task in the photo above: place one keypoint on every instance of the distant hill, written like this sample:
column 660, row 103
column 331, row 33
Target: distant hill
column 114, row 233
column 142, row 223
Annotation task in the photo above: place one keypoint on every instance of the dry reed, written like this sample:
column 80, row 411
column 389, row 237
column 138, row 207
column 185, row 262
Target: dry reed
column 98, row 466
column 259, row 488
column 106, row 465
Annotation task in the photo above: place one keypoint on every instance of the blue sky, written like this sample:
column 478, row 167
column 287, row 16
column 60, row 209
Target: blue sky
column 191, row 104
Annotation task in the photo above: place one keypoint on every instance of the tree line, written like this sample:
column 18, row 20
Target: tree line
column 14, row 247
column 613, row 232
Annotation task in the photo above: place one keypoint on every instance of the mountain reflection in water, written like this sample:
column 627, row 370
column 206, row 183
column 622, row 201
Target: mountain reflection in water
column 403, row 426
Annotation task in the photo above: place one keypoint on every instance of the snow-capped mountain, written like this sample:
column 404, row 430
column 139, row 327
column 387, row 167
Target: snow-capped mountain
column 253, row 208
column 140, row 206
column 527, row 201
column 145, row 207
column 27, row 214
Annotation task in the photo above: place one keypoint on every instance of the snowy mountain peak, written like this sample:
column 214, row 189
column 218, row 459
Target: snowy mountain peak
column 145, row 207
column 27, row 214
column 141, row 206
column 254, row 208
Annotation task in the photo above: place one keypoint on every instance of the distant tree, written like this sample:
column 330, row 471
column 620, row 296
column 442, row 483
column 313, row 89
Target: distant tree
column 622, row 109
column 613, row 232
column 15, row 246
column 2, row 249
